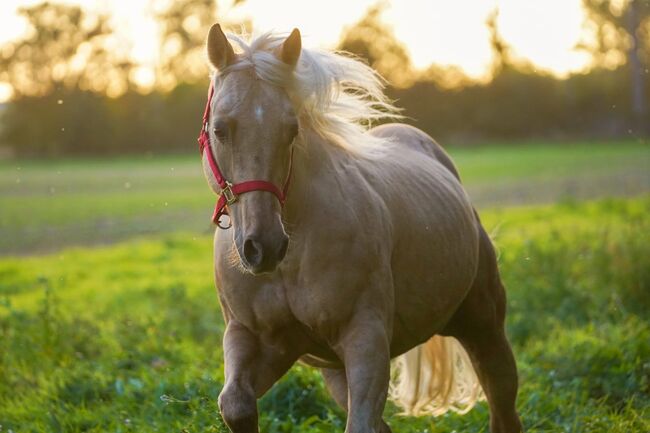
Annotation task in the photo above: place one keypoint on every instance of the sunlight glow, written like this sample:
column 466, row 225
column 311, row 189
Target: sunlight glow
column 441, row 31
column 143, row 77
column 5, row 92
column 543, row 32
column 452, row 33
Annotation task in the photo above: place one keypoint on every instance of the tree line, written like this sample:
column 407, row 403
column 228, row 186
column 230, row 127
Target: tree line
column 76, row 92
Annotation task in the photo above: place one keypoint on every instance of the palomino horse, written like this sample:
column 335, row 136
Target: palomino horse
column 348, row 247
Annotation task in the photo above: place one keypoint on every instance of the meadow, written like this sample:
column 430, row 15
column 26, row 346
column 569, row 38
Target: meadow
column 126, row 337
column 46, row 204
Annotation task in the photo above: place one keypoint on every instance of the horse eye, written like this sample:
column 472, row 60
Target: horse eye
column 220, row 129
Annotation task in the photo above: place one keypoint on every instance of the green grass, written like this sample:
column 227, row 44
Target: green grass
column 126, row 338
column 541, row 161
column 48, row 204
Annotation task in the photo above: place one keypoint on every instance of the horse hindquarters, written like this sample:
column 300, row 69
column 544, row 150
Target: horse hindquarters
column 438, row 376
column 478, row 325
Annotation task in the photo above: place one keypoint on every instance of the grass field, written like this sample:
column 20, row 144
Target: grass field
column 127, row 337
column 47, row 204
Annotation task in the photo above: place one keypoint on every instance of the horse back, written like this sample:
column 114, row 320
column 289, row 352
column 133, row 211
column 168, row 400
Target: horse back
column 418, row 140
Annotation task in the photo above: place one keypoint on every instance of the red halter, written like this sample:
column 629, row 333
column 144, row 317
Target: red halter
column 229, row 192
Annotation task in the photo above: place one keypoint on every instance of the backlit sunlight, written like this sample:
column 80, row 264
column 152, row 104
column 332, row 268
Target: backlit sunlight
column 440, row 32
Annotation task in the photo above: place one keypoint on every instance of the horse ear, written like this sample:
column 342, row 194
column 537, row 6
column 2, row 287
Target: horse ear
column 220, row 52
column 291, row 48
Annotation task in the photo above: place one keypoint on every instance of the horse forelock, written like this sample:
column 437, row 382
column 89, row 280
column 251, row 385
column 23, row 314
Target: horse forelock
column 334, row 94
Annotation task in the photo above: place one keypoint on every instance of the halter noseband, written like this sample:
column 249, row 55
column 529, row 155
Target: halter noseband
column 229, row 192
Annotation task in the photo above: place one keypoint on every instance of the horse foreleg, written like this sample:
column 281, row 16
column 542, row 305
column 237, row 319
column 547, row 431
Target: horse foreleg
column 337, row 384
column 251, row 368
column 364, row 349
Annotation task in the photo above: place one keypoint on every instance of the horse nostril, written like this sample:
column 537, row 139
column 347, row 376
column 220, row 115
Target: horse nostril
column 283, row 248
column 253, row 252
column 259, row 258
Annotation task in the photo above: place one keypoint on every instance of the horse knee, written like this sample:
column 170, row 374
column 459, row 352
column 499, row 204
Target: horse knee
column 238, row 408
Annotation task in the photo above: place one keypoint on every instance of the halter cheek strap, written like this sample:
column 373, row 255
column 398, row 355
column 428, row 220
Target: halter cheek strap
column 229, row 192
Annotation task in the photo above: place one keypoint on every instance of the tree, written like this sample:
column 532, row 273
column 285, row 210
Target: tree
column 374, row 41
column 500, row 48
column 64, row 48
column 622, row 30
column 185, row 24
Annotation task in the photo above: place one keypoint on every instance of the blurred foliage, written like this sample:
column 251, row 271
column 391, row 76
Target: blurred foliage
column 614, row 23
column 622, row 36
column 76, row 122
column 185, row 24
column 64, row 47
column 372, row 40
column 500, row 49
column 128, row 337
column 64, row 67
column 61, row 108
column 517, row 102
column 184, row 27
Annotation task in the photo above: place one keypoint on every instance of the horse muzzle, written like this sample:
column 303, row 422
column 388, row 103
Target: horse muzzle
column 260, row 254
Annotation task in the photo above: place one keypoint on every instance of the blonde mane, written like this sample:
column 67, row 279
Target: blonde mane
column 334, row 94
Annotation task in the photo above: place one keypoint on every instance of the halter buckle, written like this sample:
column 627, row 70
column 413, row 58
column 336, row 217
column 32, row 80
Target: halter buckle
column 228, row 193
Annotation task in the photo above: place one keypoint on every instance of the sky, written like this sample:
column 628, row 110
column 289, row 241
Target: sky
column 445, row 32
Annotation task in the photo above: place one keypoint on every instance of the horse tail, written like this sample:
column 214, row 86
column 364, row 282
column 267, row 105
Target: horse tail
column 435, row 377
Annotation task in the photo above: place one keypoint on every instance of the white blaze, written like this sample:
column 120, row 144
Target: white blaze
column 259, row 113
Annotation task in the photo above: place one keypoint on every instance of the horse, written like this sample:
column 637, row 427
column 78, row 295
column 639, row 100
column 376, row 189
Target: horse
column 350, row 248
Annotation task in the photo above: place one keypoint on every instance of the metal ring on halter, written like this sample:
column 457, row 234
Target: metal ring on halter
column 220, row 225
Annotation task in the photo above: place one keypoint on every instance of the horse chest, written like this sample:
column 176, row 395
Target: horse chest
column 268, row 306
column 258, row 307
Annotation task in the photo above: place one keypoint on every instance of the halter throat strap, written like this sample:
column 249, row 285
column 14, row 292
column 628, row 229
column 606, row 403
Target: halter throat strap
column 229, row 192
